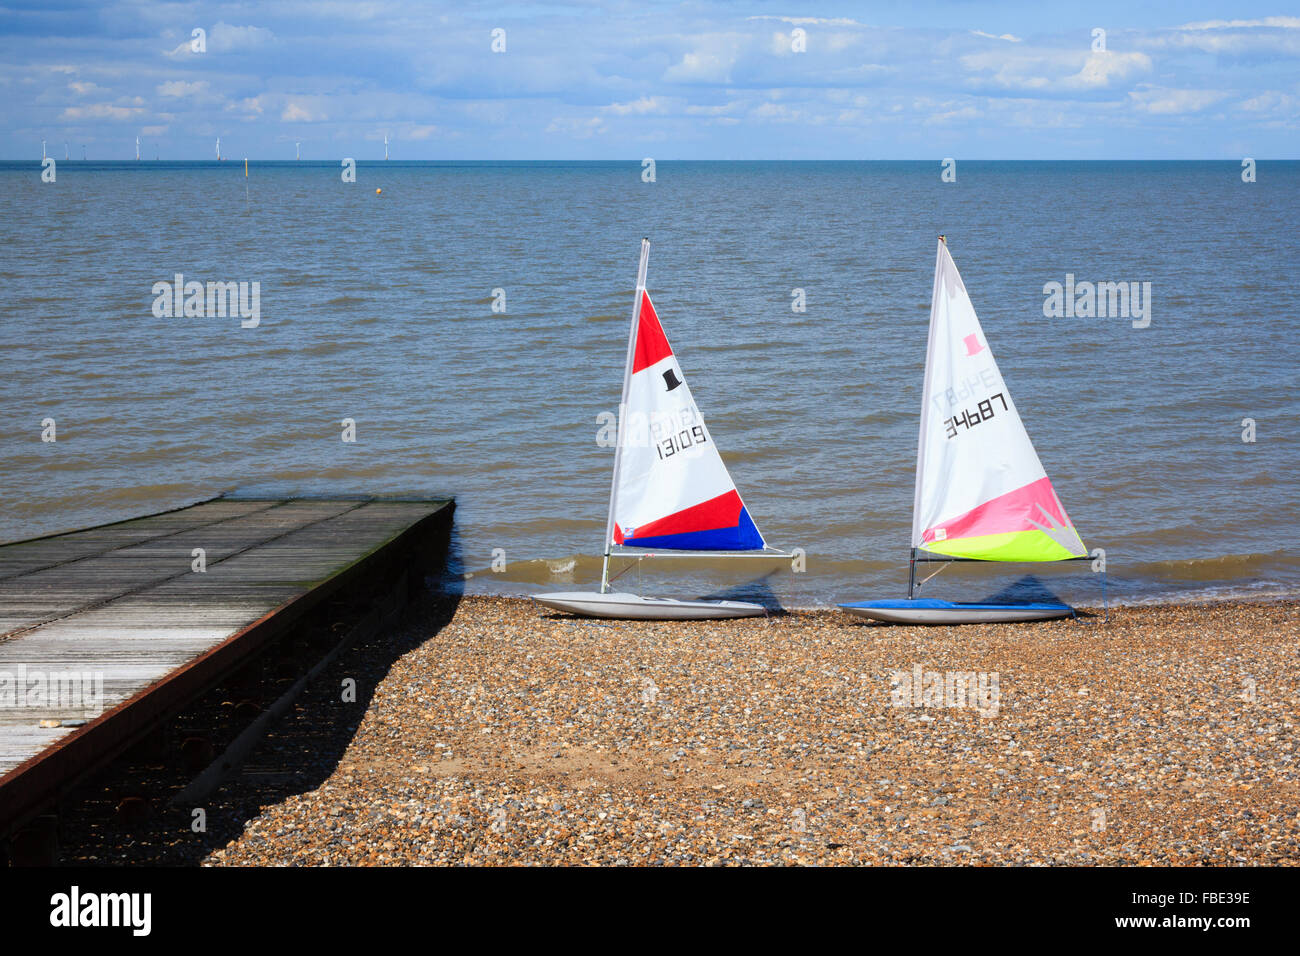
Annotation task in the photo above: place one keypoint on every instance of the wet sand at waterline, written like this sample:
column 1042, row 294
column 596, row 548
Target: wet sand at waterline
column 507, row 736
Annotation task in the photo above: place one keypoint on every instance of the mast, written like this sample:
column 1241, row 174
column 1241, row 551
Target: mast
column 925, row 415
column 622, row 408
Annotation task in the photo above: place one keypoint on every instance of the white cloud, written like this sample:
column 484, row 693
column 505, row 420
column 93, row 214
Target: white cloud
column 1047, row 69
column 646, row 104
column 1100, row 67
column 1271, row 100
column 1162, row 101
column 1010, row 38
column 101, row 111
column 710, row 62
column 1285, row 23
column 297, row 113
column 1234, row 37
column 777, row 112
column 251, row 105
column 182, row 87
column 577, row 128
column 224, row 38
column 962, row 113
column 817, row 21
column 721, row 110
column 702, row 65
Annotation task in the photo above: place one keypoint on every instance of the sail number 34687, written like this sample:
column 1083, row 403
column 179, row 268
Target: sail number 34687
column 969, row 419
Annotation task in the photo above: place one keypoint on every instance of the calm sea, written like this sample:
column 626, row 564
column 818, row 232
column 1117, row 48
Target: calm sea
column 379, row 308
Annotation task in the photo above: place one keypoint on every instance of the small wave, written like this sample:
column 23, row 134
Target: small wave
column 328, row 347
column 740, row 346
column 1250, row 591
column 1217, row 568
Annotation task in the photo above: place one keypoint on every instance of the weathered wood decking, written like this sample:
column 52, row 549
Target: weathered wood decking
column 121, row 605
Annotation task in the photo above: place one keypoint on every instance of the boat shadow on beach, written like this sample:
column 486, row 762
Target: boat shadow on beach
column 1030, row 589
column 755, row 591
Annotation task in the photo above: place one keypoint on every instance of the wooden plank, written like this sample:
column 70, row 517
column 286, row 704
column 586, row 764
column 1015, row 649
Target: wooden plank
column 123, row 604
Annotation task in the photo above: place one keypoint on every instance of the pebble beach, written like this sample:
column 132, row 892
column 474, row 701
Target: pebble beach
column 509, row 735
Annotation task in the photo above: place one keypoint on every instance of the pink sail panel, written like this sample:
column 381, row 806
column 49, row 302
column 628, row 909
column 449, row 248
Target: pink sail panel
column 1014, row 511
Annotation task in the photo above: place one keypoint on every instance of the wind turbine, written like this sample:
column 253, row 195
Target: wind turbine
column 137, row 149
column 218, row 148
column 297, row 151
column 385, row 146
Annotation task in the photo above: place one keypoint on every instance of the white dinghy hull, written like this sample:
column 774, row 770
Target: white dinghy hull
column 633, row 607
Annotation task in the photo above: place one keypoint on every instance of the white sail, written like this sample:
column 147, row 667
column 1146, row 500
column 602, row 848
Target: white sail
column 671, row 489
column 981, row 491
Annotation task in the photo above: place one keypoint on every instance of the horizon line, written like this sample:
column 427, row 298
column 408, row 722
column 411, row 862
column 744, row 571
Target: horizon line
column 637, row 161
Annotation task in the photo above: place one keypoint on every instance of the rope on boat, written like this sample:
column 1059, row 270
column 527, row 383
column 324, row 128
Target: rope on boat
column 634, row 564
column 940, row 571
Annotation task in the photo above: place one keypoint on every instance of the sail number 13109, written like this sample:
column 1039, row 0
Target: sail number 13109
column 686, row 438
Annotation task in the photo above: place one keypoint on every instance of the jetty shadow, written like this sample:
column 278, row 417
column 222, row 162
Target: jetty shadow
column 304, row 749
column 129, row 813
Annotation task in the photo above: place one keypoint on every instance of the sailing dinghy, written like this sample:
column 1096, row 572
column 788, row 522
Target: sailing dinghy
column 671, row 494
column 981, row 492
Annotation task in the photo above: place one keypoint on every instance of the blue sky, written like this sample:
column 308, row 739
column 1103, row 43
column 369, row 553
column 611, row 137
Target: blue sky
column 700, row 80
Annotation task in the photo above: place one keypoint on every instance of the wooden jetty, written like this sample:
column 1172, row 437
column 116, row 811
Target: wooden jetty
column 105, row 632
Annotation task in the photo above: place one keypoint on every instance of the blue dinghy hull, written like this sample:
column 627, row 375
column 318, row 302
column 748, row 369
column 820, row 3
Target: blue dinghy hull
column 948, row 612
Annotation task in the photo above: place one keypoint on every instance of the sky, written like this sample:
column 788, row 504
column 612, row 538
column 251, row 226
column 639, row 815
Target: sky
column 624, row 80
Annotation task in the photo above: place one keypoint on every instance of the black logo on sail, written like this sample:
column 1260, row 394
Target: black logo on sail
column 671, row 380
